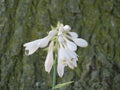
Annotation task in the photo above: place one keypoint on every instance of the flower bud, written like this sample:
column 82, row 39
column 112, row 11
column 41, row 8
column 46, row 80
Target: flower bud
column 67, row 28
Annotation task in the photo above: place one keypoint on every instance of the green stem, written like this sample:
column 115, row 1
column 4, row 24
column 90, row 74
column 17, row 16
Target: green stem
column 54, row 72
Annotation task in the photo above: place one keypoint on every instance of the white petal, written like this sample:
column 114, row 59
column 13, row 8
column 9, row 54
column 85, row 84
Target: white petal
column 60, row 68
column 31, row 47
column 72, row 54
column 70, row 64
column 80, row 42
column 30, row 50
column 73, row 58
column 52, row 33
column 63, row 55
column 32, row 42
column 60, row 39
column 44, row 42
column 48, row 62
column 73, row 34
column 49, row 58
column 67, row 28
column 72, row 46
column 60, row 31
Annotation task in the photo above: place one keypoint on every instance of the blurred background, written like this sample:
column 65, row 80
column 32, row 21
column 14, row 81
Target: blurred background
column 97, row 21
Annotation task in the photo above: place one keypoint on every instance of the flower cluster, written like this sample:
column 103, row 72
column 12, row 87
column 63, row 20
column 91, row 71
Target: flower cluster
column 62, row 40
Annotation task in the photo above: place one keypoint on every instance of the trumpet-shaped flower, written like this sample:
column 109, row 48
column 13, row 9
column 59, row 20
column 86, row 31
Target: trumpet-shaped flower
column 78, row 41
column 60, row 67
column 62, row 57
column 49, row 58
column 32, row 46
column 67, row 57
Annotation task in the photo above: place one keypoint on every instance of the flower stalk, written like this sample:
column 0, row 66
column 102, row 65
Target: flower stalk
column 54, row 72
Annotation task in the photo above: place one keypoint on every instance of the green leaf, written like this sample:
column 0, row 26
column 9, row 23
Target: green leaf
column 62, row 85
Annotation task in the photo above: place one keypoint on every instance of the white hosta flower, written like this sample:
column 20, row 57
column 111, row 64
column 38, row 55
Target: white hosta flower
column 61, row 61
column 32, row 46
column 49, row 58
column 73, row 58
column 78, row 41
column 66, row 57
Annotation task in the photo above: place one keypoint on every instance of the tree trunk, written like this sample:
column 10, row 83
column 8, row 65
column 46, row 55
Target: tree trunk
column 97, row 21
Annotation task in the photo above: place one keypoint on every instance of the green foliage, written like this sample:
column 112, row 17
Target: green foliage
column 62, row 85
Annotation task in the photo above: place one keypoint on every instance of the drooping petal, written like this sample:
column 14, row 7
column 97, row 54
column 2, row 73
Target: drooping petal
column 66, row 56
column 71, row 45
column 61, row 64
column 80, row 42
column 73, row 58
column 44, row 42
column 67, row 28
column 73, row 34
column 61, row 53
column 71, row 54
column 49, row 58
column 31, row 47
column 60, row 67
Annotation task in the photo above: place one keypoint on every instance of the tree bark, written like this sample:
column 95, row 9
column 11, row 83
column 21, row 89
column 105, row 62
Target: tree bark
column 97, row 21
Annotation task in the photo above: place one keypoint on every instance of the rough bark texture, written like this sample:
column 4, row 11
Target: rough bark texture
column 97, row 21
